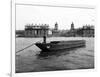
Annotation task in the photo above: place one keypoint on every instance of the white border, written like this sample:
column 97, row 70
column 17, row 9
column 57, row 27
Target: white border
column 13, row 38
column 13, row 12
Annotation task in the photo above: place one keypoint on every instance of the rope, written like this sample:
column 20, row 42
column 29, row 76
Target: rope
column 27, row 47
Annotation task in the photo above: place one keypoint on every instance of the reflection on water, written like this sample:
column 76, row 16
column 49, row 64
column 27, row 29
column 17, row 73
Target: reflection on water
column 30, row 60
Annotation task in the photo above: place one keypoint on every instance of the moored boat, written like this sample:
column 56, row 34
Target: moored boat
column 60, row 45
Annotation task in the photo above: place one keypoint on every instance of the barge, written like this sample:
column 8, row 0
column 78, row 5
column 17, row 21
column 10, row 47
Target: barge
column 60, row 45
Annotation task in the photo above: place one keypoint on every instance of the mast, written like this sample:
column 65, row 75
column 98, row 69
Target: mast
column 44, row 39
column 44, row 36
column 45, row 32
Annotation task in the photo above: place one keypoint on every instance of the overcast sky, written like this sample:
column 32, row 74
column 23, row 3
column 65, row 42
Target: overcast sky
column 50, row 15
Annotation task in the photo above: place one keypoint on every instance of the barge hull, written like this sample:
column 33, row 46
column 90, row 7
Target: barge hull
column 60, row 45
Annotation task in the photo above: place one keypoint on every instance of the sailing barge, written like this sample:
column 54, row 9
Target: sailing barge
column 60, row 45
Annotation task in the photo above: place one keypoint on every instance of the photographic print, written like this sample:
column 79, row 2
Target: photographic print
column 53, row 38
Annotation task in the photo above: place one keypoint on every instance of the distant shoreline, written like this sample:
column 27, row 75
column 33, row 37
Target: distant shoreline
column 53, row 36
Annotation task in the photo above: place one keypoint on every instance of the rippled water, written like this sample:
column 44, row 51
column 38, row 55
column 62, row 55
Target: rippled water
column 29, row 60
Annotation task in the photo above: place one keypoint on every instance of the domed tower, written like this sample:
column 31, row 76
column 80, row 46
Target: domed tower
column 72, row 26
column 56, row 26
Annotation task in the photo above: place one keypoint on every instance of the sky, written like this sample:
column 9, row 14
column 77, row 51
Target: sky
column 50, row 15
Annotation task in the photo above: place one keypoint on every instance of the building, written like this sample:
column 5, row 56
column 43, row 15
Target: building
column 55, row 31
column 85, row 31
column 43, row 29
column 72, row 31
column 36, row 30
column 88, row 31
column 72, row 26
column 56, row 26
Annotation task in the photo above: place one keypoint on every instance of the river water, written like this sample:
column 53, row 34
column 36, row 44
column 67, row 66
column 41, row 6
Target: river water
column 29, row 60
